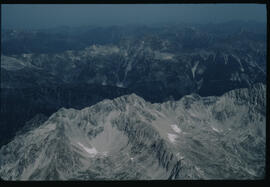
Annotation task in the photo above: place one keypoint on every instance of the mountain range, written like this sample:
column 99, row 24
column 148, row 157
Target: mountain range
column 136, row 102
column 157, row 63
column 128, row 138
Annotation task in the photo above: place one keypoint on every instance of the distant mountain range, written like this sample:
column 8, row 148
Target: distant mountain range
column 42, row 71
column 182, row 101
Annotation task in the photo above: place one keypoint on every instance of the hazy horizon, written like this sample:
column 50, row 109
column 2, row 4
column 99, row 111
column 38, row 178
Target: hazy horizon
column 34, row 16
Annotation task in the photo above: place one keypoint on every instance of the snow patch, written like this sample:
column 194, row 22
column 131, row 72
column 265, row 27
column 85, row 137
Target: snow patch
column 120, row 85
column 193, row 69
column 215, row 129
column 176, row 128
column 251, row 171
column 198, row 169
column 11, row 64
column 179, row 157
column 91, row 151
column 226, row 59
column 103, row 50
column 163, row 56
column 172, row 137
column 104, row 83
column 128, row 68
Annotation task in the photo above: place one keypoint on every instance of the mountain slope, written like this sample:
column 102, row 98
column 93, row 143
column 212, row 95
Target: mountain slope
column 42, row 71
column 129, row 138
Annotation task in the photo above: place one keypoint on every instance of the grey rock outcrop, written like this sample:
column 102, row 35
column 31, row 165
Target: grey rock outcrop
column 128, row 138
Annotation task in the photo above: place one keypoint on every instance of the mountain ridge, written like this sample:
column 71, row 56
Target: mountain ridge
column 129, row 138
column 42, row 71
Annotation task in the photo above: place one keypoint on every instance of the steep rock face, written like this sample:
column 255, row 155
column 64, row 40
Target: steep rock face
column 135, row 57
column 42, row 71
column 138, row 66
column 129, row 138
column 20, row 105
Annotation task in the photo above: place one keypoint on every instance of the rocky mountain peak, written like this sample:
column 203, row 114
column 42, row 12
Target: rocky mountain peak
column 128, row 138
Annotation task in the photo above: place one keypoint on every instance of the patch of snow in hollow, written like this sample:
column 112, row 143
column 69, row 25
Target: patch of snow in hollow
column 125, row 54
column 128, row 68
column 176, row 128
column 179, row 157
column 167, row 57
column 172, row 137
column 91, row 151
column 193, row 69
column 198, row 169
column 120, row 85
column 102, row 50
column 163, row 56
column 251, row 171
column 215, row 129
column 104, row 83
column 11, row 63
column 226, row 59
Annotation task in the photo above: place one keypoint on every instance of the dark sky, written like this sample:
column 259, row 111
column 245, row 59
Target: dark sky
column 45, row 16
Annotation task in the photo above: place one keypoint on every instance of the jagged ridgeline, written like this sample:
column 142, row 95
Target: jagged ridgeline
column 129, row 138
column 184, row 101
column 44, row 70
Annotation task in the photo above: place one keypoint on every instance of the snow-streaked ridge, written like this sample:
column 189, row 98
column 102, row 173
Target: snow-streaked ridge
column 129, row 135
